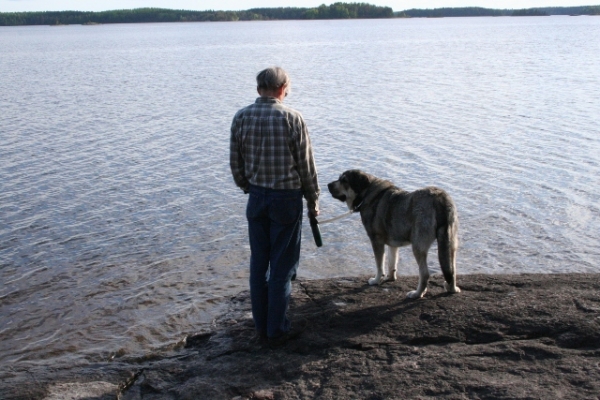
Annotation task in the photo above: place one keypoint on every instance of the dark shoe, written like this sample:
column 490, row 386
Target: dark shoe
column 259, row 338
column 292, row 334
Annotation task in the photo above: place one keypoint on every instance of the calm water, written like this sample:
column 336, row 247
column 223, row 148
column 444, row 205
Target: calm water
column 121, row 230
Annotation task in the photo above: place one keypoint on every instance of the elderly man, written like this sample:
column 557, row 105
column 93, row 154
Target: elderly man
column 271, row 158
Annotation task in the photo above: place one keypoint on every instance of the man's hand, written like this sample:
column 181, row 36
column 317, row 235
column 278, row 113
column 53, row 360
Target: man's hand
column 313, row 213
column 313, row 209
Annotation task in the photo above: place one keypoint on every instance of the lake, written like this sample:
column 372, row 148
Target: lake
column 121, row 230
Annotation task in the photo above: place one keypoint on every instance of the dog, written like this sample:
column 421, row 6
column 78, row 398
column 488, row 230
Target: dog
column 394, row 217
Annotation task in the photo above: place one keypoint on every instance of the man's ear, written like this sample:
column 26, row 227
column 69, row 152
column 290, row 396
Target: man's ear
column 281, row 92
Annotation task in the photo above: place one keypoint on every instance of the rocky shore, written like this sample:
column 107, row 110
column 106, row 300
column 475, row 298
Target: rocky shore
column 503, row 337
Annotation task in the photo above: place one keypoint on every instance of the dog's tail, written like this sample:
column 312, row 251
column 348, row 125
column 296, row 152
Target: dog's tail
column 447, row 238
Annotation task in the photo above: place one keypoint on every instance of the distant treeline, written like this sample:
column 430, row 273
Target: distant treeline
column 490, row 12
column 333, row 11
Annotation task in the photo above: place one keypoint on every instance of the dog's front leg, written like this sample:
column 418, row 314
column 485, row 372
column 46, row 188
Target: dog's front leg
column 379, row 251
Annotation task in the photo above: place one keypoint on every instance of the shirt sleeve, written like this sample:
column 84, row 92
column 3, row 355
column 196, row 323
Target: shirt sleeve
column 236, row 161
column 306, row 165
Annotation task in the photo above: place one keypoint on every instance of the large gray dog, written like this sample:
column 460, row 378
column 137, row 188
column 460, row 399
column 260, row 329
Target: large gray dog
column 396, row 218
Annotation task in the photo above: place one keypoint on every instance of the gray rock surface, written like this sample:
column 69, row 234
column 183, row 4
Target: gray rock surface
column 503, row 337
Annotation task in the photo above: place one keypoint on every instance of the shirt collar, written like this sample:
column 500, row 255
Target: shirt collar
column 267, row 100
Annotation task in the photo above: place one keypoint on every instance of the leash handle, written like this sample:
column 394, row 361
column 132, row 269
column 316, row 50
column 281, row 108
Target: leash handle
column 314, row 226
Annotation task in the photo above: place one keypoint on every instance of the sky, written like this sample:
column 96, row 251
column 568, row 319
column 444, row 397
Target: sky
column 230, row 5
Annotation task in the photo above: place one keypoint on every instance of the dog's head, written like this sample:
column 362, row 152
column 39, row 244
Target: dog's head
column 349, row 186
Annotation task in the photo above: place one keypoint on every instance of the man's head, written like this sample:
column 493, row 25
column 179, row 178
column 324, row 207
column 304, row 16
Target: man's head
column 273, row 82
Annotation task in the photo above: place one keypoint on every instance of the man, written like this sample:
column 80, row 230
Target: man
column 271, row 158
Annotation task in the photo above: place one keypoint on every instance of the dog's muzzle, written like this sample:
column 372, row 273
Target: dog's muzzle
column 333, row 189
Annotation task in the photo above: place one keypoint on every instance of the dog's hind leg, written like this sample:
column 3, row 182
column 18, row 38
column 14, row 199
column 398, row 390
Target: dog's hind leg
column 392, row 262
column 379, row 251
column 421, row 257
column 447, row 247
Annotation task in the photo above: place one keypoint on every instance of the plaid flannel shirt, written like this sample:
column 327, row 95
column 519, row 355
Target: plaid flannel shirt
column 270, row 147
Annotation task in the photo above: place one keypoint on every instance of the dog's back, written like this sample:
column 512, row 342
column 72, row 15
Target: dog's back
column 407, row 217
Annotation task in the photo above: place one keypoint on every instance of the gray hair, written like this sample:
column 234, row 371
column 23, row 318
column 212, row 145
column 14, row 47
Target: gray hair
column 272, row 78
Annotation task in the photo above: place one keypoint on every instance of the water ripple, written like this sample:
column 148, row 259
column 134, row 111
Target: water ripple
column 121, row 230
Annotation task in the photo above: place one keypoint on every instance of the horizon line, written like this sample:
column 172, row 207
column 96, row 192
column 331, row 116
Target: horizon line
column 254, row 8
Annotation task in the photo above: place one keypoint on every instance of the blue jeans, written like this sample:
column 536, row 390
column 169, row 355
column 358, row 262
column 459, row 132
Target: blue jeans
column 274, row 228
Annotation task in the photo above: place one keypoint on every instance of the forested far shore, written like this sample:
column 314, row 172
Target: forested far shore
column 490, row 12
column 333, row 11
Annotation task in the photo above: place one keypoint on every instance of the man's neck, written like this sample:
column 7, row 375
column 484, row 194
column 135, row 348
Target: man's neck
column 278, row 94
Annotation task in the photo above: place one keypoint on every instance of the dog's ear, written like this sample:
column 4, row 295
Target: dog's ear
column 358, row 180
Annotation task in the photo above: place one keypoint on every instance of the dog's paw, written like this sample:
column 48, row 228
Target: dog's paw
column 449, row 289
column 415, row 294
column 375, row 281
column 392, row 277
